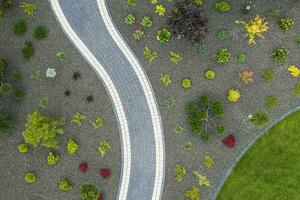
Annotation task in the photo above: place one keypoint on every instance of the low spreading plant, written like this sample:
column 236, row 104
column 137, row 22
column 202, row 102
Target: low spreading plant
column 60, row 55
column 163, row 35
column 223, row 35
column 130, row 19
column 296, row 89
column 131, row 3
column 223, row 56
column 138, row 34
column 170, row 102
column 268, row 74
column 222, row 6
column 65, row 185
column 20, row 27
column 202, row 180
column 247, row 76
column 285, row 24
column 89, row 192
column 28, row 51
column 280, row 55
column 272, row 101
column 204, row 116
column 180, row 172
column 72, row 147
column 193, row 193
column 260, row 118
column 241, row 58
column 28, row 8
column 52, row 158
column 233, row 95
column 98, row 123
column 78, row 118
column 42, row 130
column 208, row 162
column 43, row 102
column 178, row 129
column 35, row 74
column 255, row 28
column 150, row 55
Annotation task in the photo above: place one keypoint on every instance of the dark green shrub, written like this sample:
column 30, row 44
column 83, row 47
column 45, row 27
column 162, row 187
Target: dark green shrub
column 222, row 6
column 28, row 51
column 223, row 56
column 280, row 55
column 6, row 124
column 245, row 10
column 272, row 101
column 7, row 3
column 286, row 24
column 3, row 64
column 20, row 27
column 203, row 115
column 260, row 118
column 89, row 192
column 202, row 48
column 241, row 58
column 188, row 20
column 18, row 93
column 16, row 76
column 5, row 88
column 268, row 74
column 163, row 35
column 296, row 89
column 40, row 32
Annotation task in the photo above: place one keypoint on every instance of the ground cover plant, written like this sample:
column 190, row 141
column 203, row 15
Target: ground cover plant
column 231, row 51
column 277, row 158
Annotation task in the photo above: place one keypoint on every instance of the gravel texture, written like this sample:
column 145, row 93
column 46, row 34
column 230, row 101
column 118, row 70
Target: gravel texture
column 193, row 65
column 14, row 164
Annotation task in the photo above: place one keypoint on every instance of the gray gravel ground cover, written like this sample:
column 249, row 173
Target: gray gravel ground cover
column 14, row 165
column 193, row 65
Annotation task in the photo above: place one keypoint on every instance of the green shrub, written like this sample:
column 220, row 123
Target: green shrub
column 35, row 74
column 130, row 19
column 150, row 55
column 163, row 35
column 5, row 88
column 78, row 118
column 223, row 56
column 23, row 148
column 165, row 79
column 146, row 22
column 198, row 2
column 280, row 55
column 65, row 185
column 296, row 89
column 260, row 118
column 180, row 173
column 272, row 101
column 178, row 129
column 60, row 55
column 175, row 57
column 286, row 23
column 72, row 147
column 210, row 74
column 20, row 27
column 7, row 3
column 223, row 34
column 233, row 95
column 98, row 123
column 30, row 177
column 222, row 6
column 131, row 3
column 18, row 94
column 268, row 74
column 202, row 49
column 298, row 39
column 16, row 76
column 28, row 51
column 42, row 130
column 193, row 193
column 186, row 83
column 43, row 102
column 138, row 34
column 203, row 114
column 241, row 58
column 52, row 158
column 89, row 192
column 6, row 124
column 103, row 147
column 40, row 32
column 28, row 8
column 3, row 64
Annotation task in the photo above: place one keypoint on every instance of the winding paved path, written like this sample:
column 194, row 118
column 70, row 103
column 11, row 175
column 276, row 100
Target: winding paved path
column 88, row 25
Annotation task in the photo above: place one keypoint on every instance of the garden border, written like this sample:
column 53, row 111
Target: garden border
column 263, row 131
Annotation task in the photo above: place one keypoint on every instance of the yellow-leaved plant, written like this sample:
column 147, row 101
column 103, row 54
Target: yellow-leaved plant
column 294, row 70
column 255, row 28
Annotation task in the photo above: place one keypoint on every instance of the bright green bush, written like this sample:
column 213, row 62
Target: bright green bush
column 23, row 148
column 138, row 34
column 260, row 118
column 30, row 177
column 20, row 27
column 268, row 74
column 65, row 185
column 40, row 32
column 272, row 101
column 163, row 35
column 150, row 55
column 131, row 3
column 6, row 124
column 198, row 2
column 222, row 6
column 130, row 19
column 241, row 58
column 186, row 83
column 89, row 192
column 209, row 74
column 285, row 23
column 72, row 147
column 160, row 10
column 52, row 158
column 165, row 79
column 223, row 56
column 103, row 147
column 28, row 51
column 42, row 130
column 180, row 172
column 175, row 57
column 203, row 114
column 98, row 123
column 280, row 55
column 146, row 22
column 78, row 118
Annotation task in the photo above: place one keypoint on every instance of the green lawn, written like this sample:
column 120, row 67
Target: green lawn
column 270, row 170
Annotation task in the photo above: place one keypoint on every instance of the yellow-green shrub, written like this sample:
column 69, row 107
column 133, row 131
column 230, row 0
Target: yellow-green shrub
column 233, row 95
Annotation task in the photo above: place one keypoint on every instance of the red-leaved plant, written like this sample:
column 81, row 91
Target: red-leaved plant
column 83, row 167
column 105, row 173
column 230, row 141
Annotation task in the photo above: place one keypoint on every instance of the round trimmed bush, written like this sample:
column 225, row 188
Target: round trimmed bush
column 20, row 27
column 223, row 56
column 163, row 35
column 210, row 74
column 23, row 148
column 222, row 6
column 5, row 88
column 30, row 177
column 65, row 185
column 280, row 55
column 186, row 83
column 18, row 94
column 233, row 95
column 286, row 24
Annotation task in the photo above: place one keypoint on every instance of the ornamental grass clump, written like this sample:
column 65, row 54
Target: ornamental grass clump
column 223, row 56
column 180, row 172
column 204, row 117
column 89, row 192
column 150, row 55
column 146, row 22
column 285, row 24
column 255, row 28
column 130, row 19
column 188, row 20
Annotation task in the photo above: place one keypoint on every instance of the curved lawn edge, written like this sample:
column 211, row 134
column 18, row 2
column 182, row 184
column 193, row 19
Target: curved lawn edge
column 236, row 161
